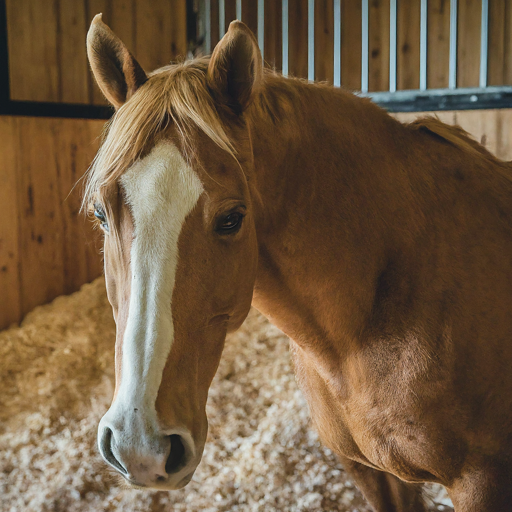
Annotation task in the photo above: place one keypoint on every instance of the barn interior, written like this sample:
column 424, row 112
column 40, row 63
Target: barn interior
column 452, row 59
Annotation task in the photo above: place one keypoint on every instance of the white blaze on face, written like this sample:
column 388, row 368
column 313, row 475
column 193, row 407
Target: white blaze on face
column 161, row 190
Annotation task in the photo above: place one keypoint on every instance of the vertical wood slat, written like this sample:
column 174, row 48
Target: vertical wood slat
column 47, row 58
column 468, row 39
column 46, row 248
column 408, row 42
column 379, row 12
column 273, row 34
column 33, row 55
column 438, row 43
column 10, row 299
column 324, row 41
column 351, row 44
column 298, row 38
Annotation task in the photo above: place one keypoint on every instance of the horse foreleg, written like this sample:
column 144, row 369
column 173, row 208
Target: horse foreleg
column 487, row 488
column 383, row 491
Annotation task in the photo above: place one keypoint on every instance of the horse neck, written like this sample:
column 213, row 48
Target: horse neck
column 329, row 192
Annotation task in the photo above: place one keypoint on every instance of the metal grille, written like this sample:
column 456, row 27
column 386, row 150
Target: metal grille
column 422, row 99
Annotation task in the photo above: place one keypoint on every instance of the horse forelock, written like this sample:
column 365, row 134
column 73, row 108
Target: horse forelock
column 177, row 95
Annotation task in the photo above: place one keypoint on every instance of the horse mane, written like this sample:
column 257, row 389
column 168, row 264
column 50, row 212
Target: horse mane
column 454, row 135
column 177, row 94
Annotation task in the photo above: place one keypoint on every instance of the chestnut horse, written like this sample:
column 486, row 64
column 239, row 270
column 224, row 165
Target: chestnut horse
column 383, row 250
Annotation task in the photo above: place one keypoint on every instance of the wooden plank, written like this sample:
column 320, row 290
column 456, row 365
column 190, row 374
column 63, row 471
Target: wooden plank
column 497, row 20
column 10, row 303
column 40, row 213
column 298, row 34
column 157, row 41
column 250, row 15
column 438, row 43
column 72, row 58
column 468, row 47
column 351, row 44
column 214, row 14
column 507, row 50
column 76, row 143
column 324, row 40
column 273, row 35
column 230, row 12
column 408, row 43
column 379, row 46
column 33, row 56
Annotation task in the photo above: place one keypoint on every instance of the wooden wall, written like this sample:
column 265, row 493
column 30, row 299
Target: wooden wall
column 47, row 248
column 500, row 40
column 47, row 58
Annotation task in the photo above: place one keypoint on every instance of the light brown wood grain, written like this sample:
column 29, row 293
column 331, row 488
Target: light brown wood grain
column 351, row 29
column 378, row 77
column 33, row 56
column 468, row 47
column 438, row 43
column 298, row 38
column 273, row 35
column 71, row 57
column 10, row 302
column 46, row 247
column 408, row 44
column 324, row 40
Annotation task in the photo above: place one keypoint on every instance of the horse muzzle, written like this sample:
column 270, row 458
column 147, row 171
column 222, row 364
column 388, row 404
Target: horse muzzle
column 145, row 455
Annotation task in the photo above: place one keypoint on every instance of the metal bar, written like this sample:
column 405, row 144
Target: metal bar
column 364, row 45
column 222, row 18
column 461, row 98
column 311, row 40
column 337, row 43
column 208, row 26
column 284, row 31
column 261, row 26
column 239, row 10
column 484, row 43
column 392, row 45
column 452, row 76
column 423, row 44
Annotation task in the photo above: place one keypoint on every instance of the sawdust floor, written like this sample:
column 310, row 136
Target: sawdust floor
column 56, row 381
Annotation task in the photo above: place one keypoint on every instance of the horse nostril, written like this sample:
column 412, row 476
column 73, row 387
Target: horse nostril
column 176, row 458
column 106, row 451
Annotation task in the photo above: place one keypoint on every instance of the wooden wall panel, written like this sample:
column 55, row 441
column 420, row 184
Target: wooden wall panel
column 324, row 40
column 46, row 247
column 500, row 42
column 378, row 78
column 351, row 30
column 408, row 45
column 47, row 57
column 438, row 43
column 10, row 303
column 298, row 34
column 273, row 35
column 33, row 57
column 468, row 47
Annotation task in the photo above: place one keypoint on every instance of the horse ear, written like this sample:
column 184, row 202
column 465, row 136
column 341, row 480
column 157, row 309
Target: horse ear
column 115, row 69
column 236, row 67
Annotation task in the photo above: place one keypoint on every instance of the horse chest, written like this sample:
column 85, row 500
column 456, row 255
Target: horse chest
column 378, row 422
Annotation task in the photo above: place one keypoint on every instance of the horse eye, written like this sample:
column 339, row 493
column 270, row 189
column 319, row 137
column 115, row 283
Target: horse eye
column 100, row 215
column 230, row 223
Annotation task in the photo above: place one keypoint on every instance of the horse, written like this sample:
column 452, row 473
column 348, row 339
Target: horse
column 383, row 250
